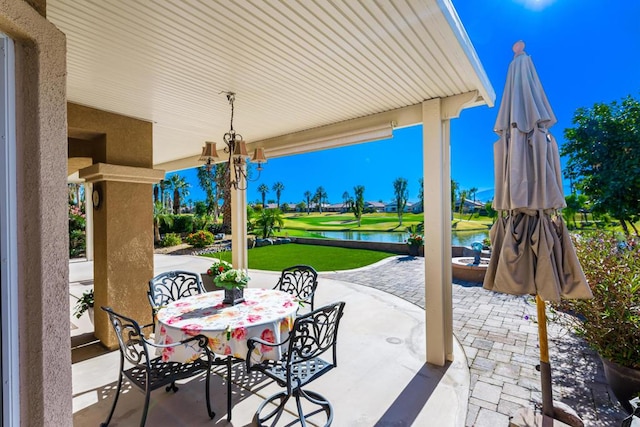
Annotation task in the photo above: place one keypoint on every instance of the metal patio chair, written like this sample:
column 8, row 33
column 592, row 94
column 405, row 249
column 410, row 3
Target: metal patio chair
column 300, row 281
column 149, row 373
column 312, row 335
column 171, row 286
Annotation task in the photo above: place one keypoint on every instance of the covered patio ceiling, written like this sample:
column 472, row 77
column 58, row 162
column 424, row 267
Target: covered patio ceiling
column 304, row 71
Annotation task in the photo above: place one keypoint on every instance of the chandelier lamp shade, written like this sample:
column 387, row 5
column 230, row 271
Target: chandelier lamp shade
column 238, row 158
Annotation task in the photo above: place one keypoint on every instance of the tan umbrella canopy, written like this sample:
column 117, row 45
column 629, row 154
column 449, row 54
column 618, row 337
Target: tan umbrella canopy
column 532, row 251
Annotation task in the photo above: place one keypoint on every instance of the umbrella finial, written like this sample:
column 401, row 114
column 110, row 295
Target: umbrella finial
column 518, row 48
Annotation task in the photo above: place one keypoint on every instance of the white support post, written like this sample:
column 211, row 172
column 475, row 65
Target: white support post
column 240, row 259
column 437, row 230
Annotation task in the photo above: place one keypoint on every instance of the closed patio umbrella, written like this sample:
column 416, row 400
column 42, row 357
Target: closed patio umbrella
column 532, row 251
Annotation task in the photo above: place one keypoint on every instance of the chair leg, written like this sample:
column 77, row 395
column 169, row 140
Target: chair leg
column 229, row 362
column 115, row 402
column 208, row 393
column 147, row 396
column 316, row 399
column 301, row 416
column 277, row 412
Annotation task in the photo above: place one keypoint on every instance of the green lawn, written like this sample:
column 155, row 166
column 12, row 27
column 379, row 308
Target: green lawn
column 322, row 258
column 303, row 225
column 345, row 222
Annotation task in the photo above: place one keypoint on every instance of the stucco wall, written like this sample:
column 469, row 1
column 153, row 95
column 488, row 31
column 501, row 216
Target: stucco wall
column 43, row 276
column 127, row 141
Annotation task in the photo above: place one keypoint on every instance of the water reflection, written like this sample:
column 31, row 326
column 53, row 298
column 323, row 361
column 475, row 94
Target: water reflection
column 466, row 238
column 369, row 236
column 458, row 238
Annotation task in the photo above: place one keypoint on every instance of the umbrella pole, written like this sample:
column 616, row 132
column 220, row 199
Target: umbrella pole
column 545, row 367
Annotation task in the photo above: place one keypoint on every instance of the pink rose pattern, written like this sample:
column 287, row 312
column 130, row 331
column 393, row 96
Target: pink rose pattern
column 268, row 336
column 192, row 329
column 228, row 328
column 239, row 334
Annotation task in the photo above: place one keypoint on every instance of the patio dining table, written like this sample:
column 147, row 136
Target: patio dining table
column 265, row 313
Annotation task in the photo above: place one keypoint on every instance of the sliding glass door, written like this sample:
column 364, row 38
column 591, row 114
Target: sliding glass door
column 9, row 392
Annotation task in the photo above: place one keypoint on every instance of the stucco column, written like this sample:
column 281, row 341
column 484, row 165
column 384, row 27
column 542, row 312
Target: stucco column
column 123, row 231
column 41, row 282
column 240, row 258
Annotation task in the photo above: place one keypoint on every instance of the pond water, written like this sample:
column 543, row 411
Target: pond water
column 458, row 238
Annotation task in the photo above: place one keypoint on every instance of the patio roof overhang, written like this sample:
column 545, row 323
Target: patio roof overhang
column 308, row 75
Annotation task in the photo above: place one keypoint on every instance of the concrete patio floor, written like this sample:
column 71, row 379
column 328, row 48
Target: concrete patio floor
column 381, row 378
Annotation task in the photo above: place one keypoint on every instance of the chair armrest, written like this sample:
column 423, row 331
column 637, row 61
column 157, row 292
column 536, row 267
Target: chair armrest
column 148, row 325
column 203, row 342
column 251, row 345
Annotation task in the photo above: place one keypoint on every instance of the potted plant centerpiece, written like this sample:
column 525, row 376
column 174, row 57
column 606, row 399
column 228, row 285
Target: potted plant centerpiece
column 415, row 241
column 217, row 267
column 84, row 303
column 610, row 322
column 233, row 281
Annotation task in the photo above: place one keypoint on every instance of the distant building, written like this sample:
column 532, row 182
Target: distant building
column 470, row 206
column 374, row 206
column 393, row 207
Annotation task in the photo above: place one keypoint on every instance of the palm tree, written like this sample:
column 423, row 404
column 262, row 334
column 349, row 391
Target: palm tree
column 454, row 192
column 346, row 201
column 307, row 195
column 472, row 193
column 180, row 189
column 358, row 204
column 263, row 189
column 401, row 195
column 463, row 198
column 320, row 195
column 163, row 187
column 223, row 179
column 268, row 221
column 160, row 216
column 207, row 181
column 278, row 187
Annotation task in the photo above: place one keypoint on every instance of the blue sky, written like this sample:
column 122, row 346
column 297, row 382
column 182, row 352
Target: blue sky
column 585, row 51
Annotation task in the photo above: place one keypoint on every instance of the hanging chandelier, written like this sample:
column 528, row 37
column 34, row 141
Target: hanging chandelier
column 236, row 147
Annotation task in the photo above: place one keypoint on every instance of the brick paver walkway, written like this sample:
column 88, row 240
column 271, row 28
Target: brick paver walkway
column 500, row 340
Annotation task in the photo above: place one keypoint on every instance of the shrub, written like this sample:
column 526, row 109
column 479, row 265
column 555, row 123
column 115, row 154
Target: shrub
column 170, row 239
column 77, row 238
column 216, row 228
column 200, row 239
column 77, row 243
column 610, row 322
column 179, row 224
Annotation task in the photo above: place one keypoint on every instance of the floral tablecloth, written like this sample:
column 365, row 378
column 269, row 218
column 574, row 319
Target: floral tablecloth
column 265, row 313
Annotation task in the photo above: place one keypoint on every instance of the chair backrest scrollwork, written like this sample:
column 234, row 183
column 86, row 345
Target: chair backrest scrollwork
column 130, row 338
column 171, row 286
column 314, row 333
column 299, row 280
